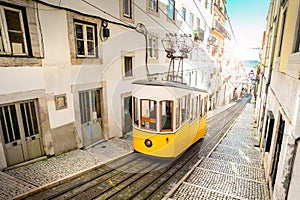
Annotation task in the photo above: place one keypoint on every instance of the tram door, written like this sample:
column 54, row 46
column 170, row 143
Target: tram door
column 127, row 115
column 277, row 151
column 20, row 132
column 90, row 114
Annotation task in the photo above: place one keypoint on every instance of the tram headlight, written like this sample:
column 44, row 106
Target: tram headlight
column 148, row 143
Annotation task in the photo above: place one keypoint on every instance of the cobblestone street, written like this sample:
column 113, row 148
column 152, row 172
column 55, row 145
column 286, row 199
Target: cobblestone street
column 233, row 170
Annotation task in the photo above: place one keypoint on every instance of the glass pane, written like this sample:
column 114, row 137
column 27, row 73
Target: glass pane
column 145, row 108
column 15, row 123
column 3, row 126
column 79, row 31
column 1, row 42
column 34, row 118
column 126, row 7
column 80, row 47
column 136, row 111
column 96, row 102
column 13, row 20
column 90, row 33
column 17, row 42
column 91, row 50
column 24, row 116
column 128, row 66
column 8, row 123
column 166, row 114
column 171, row 9
column 84, row 107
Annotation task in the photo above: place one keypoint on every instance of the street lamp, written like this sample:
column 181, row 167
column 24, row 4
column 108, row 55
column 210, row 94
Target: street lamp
column 177, row 48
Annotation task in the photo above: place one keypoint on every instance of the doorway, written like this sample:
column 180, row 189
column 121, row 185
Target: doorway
column 20, row 131
column 90, row 113
column 277, row 151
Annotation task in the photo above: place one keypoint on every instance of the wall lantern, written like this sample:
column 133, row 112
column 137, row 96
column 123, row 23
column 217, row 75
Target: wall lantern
column 105, row 32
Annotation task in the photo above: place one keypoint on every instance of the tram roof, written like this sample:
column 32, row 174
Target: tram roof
column 166, row 84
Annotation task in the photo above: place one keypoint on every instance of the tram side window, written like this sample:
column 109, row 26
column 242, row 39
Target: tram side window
column 136, row 111
column 200, row 108
column 148, row 114
column 183, row 109
column 177, row 108
column 205, row 106
column 166, row 115
column 195, row 110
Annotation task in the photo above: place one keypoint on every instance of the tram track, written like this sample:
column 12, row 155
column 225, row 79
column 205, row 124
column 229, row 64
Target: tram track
column 142, row 177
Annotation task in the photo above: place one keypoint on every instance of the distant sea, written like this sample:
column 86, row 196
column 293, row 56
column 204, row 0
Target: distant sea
column 250, row 63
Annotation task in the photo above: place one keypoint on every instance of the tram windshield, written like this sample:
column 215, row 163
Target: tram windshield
column 166, row 115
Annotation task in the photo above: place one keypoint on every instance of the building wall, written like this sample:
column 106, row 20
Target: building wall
column 281, row 96
column 54, row 70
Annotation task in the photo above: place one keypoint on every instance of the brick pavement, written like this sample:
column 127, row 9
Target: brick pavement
column 233, row 170
column 50, row 171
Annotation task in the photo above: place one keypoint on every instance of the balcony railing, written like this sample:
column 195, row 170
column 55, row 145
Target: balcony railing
column 199, row 35
column 220, row 28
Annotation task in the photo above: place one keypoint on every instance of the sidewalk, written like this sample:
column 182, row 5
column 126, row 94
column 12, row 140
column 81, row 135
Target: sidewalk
column 233, row 170
column 53, row 170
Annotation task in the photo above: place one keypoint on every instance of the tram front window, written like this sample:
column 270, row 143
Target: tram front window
column 148, row 114
column 166, row 115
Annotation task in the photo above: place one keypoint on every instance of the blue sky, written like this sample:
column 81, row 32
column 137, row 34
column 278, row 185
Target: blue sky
column 248, row 19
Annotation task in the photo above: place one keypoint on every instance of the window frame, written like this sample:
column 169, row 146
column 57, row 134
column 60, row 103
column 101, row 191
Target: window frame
column 148, row 119
column 169, row 9
column 153, row 5
column 6, row 41
column 153, row 49
column 161, row 116
column 183, row 13
column 123, row 65
column 129, row 7
column 85, row 39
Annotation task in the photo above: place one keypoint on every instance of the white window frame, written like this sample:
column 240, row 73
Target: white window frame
column 85, row 39
column 191, row 20
column 153, row 47
column 7, row 45
column 129, row 4
column 124, row 55
column 153, row 5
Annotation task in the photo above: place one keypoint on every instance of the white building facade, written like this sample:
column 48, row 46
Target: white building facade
column 67, row 67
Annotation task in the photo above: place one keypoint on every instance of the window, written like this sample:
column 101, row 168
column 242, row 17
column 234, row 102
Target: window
column 198, row 24
column 194, row 109
column 12, row 32
column 85, row 40
column 153, row 5
column 152, row 47
column 184, row 109
column 127, row 8
column 200, row 107
column 183, row 14
column 136, row 111
column 282, row 32
column 166, row 110
column 297, row 36
column 128, row 66
column 191, row 20
column 148, row 114
column 297, row 47
column 171, row 9
column 90, row 105
column 177, row 110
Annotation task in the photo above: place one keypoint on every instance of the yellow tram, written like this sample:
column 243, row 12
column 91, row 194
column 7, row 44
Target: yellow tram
column 168, row 117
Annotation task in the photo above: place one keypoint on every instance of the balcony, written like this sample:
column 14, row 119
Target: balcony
column 199, row 35
column 220, row 29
